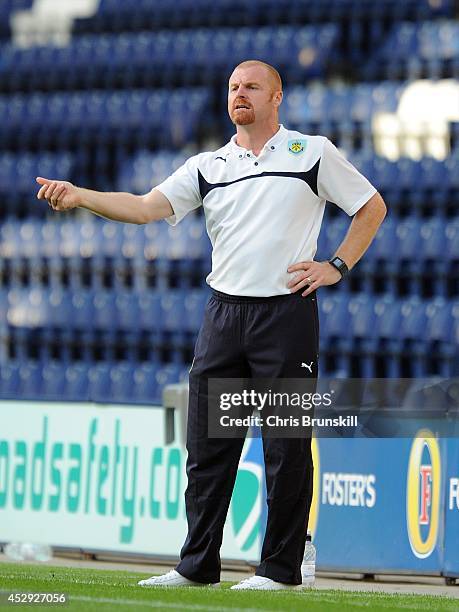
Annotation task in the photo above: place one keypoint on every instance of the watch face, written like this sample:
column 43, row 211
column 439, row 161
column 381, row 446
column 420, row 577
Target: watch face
column 338, row 261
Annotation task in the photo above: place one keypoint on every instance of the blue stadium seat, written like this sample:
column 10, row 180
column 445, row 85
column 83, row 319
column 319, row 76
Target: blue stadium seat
column 30, row 380
column 3, row 304
column 166, row 375
column 176, row 242
column 111, row 239
column 105, row 311
column 9, row 379
column 198, row 242
column 181, row 251
column 452, row 240
column 412, row 333
column 386, row 176
column 442, row 334
column 434, row 177
column 83, row 307
column 413, row 321
column 99, row 383
column 335, row 230
column 146, row 385
column 433, row 235
column 322, row 246
column 59, row 308
column 387, row 329
column 173, row 311
column 31, row 247
column 381, row 259
column 364, row 161
column 451, row 166
column 69, row 241
column 439, row 321
column 150, row 310
column 50, row 245
column 194, row 302
column 173, row 324
column 408, row 232
column 127, row 311
column 10, row 239
column 77, row 382
column 409, row 173
column 133, row 244
column 363, row 322
column 335, row 325
column 122, row 382
column 54, row 382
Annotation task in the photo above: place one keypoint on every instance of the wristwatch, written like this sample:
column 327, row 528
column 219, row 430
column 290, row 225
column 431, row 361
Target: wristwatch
column 340, row 265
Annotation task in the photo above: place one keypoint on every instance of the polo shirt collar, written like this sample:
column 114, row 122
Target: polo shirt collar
column 271, row 144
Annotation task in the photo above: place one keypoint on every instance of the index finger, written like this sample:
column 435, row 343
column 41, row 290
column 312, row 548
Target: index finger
column 302, row 265
column 43, row 181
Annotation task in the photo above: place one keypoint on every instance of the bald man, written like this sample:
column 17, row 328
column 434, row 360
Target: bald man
column 263, row 195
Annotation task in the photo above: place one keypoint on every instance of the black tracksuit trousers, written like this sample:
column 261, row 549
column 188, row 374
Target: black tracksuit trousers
column 245, row 337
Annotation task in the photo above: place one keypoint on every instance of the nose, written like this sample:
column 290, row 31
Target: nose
column 240, row 91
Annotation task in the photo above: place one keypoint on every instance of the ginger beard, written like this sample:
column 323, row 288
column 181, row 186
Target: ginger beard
column 242, row 116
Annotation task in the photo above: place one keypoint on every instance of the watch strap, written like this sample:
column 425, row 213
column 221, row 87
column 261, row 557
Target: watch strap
column 340, row 265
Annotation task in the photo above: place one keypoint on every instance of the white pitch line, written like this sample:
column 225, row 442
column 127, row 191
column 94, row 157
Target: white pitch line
column 159, row 604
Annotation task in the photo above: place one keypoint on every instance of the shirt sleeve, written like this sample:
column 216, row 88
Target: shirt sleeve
column 340, row 182
column 182, row 190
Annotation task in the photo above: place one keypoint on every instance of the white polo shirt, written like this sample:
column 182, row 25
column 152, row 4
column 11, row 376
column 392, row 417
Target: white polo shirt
column 264, row 213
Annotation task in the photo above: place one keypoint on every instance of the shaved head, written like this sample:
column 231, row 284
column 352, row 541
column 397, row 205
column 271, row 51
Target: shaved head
column 274, row 76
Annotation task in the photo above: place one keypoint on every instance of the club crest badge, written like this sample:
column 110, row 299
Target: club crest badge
column 296, row 146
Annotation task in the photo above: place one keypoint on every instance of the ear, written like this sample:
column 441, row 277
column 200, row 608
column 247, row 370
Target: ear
column 278, row 96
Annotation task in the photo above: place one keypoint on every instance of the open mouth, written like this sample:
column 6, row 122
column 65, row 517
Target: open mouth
column 239, row 106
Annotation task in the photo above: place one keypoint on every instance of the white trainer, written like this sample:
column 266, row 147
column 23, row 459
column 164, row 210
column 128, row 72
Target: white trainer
column 172, row 579
column 261, row 583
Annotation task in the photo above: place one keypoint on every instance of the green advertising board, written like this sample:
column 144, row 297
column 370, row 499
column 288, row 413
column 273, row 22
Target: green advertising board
column 102, row 478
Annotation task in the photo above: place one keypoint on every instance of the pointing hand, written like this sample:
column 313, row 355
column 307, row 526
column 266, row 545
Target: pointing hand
column 61, row 195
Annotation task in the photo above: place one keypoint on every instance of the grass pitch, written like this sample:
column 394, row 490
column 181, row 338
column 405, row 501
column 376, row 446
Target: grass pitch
column 91, row 590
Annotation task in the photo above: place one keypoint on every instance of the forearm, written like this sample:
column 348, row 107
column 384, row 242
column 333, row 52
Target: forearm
column 119, row 206
column 362, row 230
